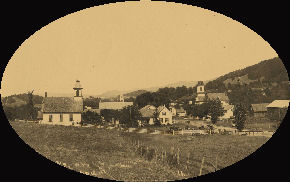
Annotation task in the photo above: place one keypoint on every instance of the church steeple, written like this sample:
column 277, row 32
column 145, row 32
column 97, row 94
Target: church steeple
column 200, row 89
column 78, row 89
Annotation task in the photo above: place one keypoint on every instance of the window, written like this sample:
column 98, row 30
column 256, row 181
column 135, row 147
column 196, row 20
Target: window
column 50, row 118
column 166, row 119
column 70, row 117
column 200, row 88
column 164, row 113
column 61, row 117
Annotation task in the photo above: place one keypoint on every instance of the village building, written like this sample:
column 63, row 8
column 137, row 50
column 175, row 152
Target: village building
column 229, row 112
column 181, row 112
column 114, row 105
column 201, row 95
column 278, row 109
column 164, row 115
column 221, row 96
column 63, row 110
column 148, row 114
column 259, row 110
column 172, row 110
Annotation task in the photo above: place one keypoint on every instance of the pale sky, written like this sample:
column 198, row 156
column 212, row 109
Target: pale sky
column 124, row 46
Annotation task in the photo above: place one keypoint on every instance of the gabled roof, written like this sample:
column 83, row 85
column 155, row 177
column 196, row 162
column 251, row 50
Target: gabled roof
column 228, row 107
column 114, row 105
column 147, row 112
column 150, row 107
column 200, row 99
column 220, row 96
column 279, row 104
column 160, row 108
column 62, row 104
column 262, row 107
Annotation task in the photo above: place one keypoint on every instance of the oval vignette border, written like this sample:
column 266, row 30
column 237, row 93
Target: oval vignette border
column 58, row 170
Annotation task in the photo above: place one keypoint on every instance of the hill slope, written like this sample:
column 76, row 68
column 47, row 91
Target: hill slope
column 265, row 73
column 262, row 82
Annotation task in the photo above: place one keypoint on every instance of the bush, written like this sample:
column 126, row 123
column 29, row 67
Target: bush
column 90, row 117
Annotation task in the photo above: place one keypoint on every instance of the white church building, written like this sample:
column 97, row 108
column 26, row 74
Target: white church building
column 63, row 110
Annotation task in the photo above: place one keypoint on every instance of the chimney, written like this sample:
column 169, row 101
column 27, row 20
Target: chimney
column 45, row 94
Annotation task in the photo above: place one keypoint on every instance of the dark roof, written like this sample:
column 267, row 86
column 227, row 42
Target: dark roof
column 262, row 107
column 200, row 99
column 220, row 96
column 147, row 112
column 200, row 83
column 62, row 104
column 77, row 85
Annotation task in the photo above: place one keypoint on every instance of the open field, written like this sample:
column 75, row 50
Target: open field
column 123, row 156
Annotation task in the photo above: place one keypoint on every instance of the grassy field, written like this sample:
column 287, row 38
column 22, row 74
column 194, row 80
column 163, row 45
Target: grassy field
column 112, row 154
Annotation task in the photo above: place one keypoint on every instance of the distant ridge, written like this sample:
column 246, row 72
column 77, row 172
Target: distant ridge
column 135, row 93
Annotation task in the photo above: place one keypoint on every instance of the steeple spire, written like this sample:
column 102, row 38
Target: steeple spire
column 78, row 89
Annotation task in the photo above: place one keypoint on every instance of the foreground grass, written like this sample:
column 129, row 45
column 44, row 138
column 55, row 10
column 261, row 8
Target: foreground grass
column 111, row 154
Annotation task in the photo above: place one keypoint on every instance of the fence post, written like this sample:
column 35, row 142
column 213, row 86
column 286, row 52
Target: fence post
column 172, row 132
column 216, row 163
column 200, row 171
column 156, row 152
column 178, row 155
column 165, row 155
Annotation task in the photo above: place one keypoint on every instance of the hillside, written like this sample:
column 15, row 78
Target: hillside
column 262, row 82
column 134, row 94
column 19, row 100
column 265, row 73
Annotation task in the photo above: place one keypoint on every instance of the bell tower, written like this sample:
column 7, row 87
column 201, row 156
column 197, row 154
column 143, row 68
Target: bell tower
column 78, row 90
column 121, row 98
column 200, row 89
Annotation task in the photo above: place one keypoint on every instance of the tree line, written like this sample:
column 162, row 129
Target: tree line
column 128, row 116
column 164, row 96
column 23, row 112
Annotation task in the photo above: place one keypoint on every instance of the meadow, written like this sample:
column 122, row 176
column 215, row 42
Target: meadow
column 122, row 156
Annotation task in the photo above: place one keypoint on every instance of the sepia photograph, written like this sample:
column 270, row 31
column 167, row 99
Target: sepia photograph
column 174, row 92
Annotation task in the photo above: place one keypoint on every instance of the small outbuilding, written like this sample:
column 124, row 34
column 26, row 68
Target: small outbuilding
column 278, row 109
column 259, row 110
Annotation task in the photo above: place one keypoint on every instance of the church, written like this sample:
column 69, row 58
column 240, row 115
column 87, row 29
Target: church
column 63, row 110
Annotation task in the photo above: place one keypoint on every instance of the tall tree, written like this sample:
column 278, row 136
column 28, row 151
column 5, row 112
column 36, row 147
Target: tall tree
column 130, row 116
column 215, row 110
column 31, row 111
column 240, row 113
